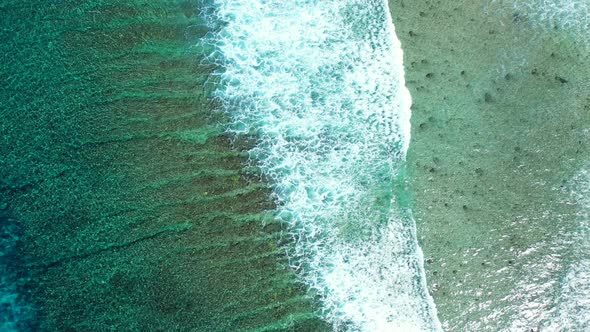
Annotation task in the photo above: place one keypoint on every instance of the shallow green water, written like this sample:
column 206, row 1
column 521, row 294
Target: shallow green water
column 133, row 207
column 500, row 127
column 124, row 206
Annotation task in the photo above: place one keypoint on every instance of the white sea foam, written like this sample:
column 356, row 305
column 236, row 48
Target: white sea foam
column 321, row 84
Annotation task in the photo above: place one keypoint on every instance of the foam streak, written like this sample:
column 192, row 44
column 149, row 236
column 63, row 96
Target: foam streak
column 321, row 83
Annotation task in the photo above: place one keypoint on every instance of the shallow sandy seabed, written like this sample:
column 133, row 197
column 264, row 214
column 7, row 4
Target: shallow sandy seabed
column 500, row 124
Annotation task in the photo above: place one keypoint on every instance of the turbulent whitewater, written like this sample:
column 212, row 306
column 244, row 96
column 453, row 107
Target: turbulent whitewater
column 321, row 85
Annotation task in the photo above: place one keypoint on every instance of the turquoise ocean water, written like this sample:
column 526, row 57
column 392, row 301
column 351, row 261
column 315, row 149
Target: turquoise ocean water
column 315, row 93
column 499, row 138
column 323, row 89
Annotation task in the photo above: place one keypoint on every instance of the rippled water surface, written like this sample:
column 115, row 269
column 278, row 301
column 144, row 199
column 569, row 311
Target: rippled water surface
column 305, row 165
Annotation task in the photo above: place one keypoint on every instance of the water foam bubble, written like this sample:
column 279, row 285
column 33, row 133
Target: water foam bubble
column 321, row 84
